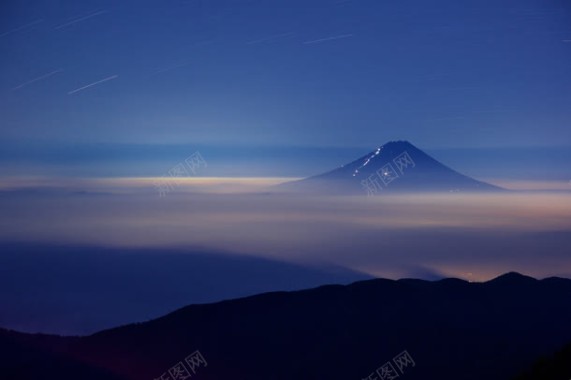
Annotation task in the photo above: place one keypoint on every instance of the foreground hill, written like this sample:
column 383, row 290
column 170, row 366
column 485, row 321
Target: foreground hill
column 550, row 367
column 450, row 329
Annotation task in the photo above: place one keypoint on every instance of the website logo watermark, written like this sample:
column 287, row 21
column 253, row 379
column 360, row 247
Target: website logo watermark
column 181, row 170
column 185, row 369
column 393, row 369
column 375, row 183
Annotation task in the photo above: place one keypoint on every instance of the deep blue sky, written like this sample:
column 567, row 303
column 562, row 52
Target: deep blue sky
column 283, row 73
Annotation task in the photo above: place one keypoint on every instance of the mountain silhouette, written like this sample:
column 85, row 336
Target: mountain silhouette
column 397, row 166
column 450, row 329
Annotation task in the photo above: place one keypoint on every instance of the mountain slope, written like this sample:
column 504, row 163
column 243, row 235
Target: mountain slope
column 397, row 166
column 452, row 329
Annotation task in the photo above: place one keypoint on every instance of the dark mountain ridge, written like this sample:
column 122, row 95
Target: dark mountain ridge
column 452, row 329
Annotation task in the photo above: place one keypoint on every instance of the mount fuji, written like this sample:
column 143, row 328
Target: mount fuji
column 397, row 166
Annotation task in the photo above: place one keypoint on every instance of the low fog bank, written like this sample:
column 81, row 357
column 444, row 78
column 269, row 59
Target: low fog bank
column 470, row 236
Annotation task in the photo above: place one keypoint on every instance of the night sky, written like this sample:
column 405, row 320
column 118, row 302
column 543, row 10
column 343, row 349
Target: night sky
column 122, row 83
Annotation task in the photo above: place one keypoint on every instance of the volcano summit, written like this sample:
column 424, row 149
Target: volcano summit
column 397, row 166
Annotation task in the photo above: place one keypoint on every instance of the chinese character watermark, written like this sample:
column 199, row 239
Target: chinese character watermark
column 387, row 174
column 179, row 171
column 185, row 370
column 393, row 369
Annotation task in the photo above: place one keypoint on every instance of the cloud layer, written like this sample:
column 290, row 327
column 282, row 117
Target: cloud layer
column 425, row 235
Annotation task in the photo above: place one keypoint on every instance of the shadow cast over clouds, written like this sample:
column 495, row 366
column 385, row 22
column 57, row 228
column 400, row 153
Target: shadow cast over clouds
column 82, row 289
